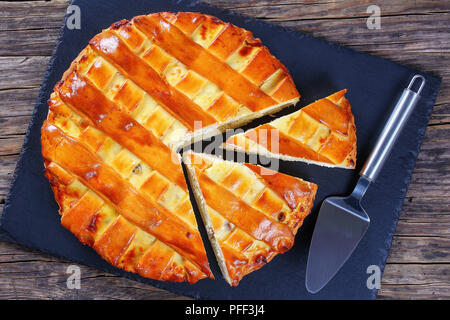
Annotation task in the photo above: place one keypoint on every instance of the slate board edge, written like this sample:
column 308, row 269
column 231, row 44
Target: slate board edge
column 408, row 177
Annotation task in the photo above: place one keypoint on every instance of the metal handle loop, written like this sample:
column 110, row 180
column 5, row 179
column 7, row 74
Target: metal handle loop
column 417, row 76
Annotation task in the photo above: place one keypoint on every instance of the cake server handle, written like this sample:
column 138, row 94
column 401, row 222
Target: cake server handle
column 394, row 125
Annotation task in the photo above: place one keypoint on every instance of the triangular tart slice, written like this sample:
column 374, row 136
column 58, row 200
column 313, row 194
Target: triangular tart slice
column 322, row 133
column 251, row 213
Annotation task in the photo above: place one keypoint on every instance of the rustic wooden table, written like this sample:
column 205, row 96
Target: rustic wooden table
column 414, row 33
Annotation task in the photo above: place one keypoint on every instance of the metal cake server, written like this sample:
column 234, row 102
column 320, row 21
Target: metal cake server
column 342, row 222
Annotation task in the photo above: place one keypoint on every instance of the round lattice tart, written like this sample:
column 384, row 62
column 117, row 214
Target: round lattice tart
column 137, row 92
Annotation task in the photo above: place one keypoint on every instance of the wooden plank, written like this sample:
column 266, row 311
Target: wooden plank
column 39, row 42
column 11, row 145
column 419, row 249
column 26, row 274
column 441, row 113
column 438, row 227
column 12, row 9
column 420, row 208
column 18, row 102
column 431, row 177
column 25, row 20
column 22, row 72
column 27, row 15
column 13, row 126
column 415, row 281
column 331, row 9
column 7, row 166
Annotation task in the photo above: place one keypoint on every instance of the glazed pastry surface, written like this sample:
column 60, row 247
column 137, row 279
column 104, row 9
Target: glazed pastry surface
column 322, row 133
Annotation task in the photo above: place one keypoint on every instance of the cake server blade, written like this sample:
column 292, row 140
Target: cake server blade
column 340, row 226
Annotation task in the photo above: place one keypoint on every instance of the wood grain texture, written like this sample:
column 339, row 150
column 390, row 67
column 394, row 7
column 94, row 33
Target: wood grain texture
column 414, row 33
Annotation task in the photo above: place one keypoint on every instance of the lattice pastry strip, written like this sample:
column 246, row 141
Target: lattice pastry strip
column 129, row 166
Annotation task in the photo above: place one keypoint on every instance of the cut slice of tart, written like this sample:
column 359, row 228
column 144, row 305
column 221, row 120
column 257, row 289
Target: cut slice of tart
column 321, row 133
column 250, row 213
column 185, row 76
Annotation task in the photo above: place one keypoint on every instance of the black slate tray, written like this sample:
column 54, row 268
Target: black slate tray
column 319, row 68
